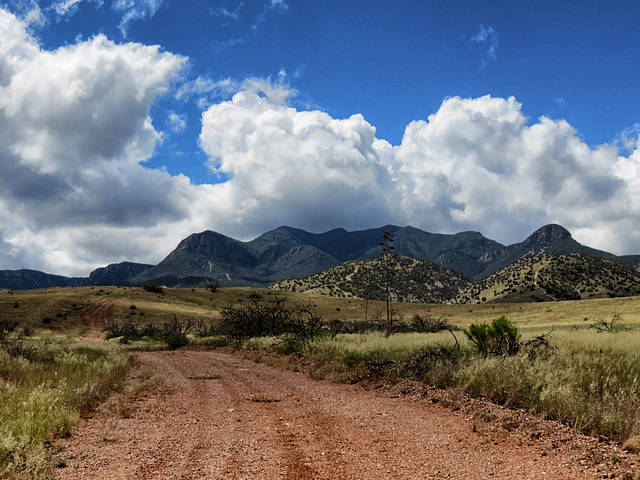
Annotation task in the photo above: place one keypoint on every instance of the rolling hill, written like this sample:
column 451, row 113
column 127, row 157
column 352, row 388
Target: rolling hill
column 549, row 277
column 410, row 280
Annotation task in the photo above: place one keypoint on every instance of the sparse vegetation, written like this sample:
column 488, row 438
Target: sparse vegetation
column 410, row 280
column 547, row 277
column 612, row 326
column 153, row 287
column 173, row 331
column 574, row 374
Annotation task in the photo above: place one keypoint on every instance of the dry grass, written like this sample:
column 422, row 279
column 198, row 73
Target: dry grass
column 45, row 386
column 71, row 309
column 597, row 397
column 632, row 445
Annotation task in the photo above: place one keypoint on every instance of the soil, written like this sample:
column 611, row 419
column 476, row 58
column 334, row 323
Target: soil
column 218, row 415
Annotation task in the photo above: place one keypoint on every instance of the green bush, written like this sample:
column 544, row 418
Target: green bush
column 499, row 338
column 153, row 287
column 176, row 340
column 289, row 344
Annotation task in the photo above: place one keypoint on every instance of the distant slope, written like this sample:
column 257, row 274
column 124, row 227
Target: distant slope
column 548, row 277
column 410, row 280
column 211, row 256
column 203, row 257
column 32, row 279
column 287, row 252
column 116, row 273
column 632, row 261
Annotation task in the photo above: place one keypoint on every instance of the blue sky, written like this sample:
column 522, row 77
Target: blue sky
column 130, row 124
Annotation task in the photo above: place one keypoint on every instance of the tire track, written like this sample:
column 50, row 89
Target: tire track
column 219, row 416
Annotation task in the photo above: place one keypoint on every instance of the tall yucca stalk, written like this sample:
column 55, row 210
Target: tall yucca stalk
column 387, row 247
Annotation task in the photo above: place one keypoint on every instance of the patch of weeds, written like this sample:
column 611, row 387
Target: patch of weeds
column 319, row 371
column 484, row 416
column 263, row 399
column 510, row 422
column 126, row 410
column 204, row 377
column 64, row 429
column 632, row 445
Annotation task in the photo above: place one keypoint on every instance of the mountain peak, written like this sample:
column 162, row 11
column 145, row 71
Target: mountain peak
column 548, row 234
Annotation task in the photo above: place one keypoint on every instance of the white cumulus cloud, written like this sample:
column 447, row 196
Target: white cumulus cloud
column 475, row 164
column 76, row 130
column 302, row 168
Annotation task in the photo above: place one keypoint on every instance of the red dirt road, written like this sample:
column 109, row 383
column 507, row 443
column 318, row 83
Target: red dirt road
column 216, row 415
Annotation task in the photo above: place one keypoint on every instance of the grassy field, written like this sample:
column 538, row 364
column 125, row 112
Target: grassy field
column 70, row 310
column 50, row 374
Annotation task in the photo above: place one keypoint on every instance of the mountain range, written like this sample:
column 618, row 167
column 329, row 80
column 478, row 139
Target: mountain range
column 287, row 253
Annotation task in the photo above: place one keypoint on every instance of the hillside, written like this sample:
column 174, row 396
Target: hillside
column 554, row 239
column 211, row 256
column 410, row 280
column 31, row 279
column 548, row 277
column 117, row 273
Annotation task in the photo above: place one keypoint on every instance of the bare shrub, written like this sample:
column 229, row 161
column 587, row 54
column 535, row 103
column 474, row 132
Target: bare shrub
column 429, row 323
column 611, row 326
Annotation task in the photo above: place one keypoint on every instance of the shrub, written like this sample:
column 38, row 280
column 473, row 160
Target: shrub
column 256, row 318
column 173, row 331
column 153, row 287
column 499, row 338
column 126, row 329
column 176, row 340
column 612, row 326
column 429, row 323
column 289, row 344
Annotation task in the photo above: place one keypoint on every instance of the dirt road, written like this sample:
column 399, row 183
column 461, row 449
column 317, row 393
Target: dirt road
column 216, row 415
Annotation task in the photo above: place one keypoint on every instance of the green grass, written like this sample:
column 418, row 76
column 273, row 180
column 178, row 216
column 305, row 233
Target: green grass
column 45, row 385
column 596, row 390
